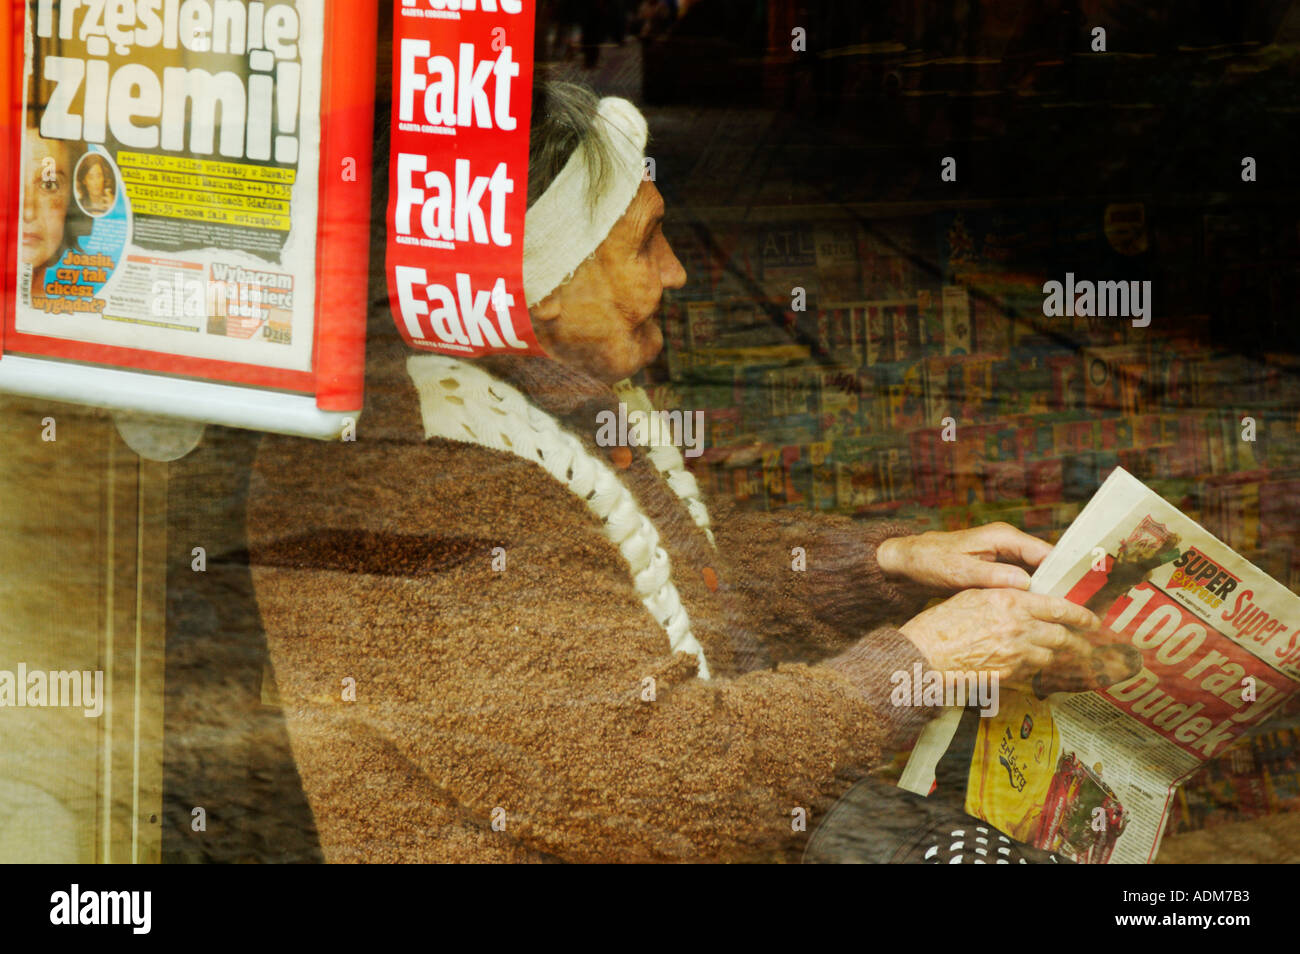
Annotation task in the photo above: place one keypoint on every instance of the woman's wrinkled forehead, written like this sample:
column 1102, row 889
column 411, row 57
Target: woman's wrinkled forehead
column 644, row 213
column 647, row 209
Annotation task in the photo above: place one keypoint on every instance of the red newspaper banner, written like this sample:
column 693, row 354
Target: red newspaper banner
column 458, row 175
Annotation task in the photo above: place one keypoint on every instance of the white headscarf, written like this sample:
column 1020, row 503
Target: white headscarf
column 567, row 223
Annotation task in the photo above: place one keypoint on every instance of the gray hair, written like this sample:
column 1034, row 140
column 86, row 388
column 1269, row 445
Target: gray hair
column 564, row 117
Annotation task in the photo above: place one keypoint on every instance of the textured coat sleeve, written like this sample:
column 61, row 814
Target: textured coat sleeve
column 511, row 695
column 823, row 567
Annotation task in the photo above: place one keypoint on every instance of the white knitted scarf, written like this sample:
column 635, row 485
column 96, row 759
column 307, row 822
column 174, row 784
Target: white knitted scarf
column 461, row 402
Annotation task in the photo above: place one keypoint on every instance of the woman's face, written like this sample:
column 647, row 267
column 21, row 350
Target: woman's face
column 46, row 190
column 95, row 180
column 603, row 320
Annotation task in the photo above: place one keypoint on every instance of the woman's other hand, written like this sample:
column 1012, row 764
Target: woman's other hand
column 992, row 556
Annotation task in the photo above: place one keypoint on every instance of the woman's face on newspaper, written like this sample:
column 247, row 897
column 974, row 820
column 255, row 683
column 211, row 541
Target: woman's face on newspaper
column 46, row 190
column 95, row 181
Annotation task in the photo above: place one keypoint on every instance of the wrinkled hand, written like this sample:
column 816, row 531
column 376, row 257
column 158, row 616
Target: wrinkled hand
column 1011, row 632
column 993, row 555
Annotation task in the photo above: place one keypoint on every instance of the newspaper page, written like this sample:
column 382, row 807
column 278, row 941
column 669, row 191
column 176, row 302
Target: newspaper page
column 170, row 176
column 1092, row 775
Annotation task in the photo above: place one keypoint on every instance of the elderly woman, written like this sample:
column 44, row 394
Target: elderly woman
column 495, row 639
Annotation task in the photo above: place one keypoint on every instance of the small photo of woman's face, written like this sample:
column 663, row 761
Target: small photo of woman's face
column 95, row 180
column 94, row 185
column 47, row 187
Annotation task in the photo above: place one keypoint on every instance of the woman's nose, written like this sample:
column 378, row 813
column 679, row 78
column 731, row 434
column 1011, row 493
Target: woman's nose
column 672, row 274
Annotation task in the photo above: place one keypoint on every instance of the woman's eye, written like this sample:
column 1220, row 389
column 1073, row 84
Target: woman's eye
column 50, row 185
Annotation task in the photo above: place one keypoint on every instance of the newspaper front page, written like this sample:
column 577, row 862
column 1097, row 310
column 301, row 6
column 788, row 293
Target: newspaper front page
column 170, row 176
column 1092, row 775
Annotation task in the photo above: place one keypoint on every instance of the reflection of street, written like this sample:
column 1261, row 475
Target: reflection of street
column 617, row 71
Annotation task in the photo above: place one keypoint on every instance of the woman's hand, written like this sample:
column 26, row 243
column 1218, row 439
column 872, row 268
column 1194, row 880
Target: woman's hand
column 1010, row 632
column 994, row 555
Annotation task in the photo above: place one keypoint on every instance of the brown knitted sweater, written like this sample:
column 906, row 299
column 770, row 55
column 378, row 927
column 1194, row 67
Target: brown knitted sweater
column 535, row 712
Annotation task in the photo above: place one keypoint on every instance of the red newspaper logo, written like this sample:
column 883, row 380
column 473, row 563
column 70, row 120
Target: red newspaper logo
column 1202, row 577
column 458, row 175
